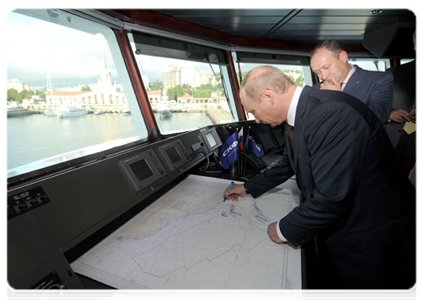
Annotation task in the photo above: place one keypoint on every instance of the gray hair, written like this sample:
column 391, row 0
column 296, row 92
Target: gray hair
column 262, row 78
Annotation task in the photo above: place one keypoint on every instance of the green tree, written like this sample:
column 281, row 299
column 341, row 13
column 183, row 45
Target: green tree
column 219, row 90
column 187, row 89
column 299, row 81
column 174, row 92
column 24, row 95
column 12, row 95
column 156, row 86
column 170, row 93
column 202, row 93
column 42, row 95
column 179, row 90
column 85, row 88
column 206, row 86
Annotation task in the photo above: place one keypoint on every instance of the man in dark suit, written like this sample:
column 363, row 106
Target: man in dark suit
column 342, row 159
column 403, row 137
column 329, row 61
column 404, row 99
column 401, row 127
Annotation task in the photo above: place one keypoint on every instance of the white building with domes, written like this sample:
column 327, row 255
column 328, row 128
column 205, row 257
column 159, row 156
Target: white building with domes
column 106, row 95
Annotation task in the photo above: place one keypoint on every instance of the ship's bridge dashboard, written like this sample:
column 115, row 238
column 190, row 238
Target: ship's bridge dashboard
column 111, row 109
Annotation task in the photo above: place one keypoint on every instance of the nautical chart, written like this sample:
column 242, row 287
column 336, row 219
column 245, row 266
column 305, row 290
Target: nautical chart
column 190, row 239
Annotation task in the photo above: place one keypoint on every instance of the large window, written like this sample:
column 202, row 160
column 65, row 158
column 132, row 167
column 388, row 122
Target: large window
column 68, row 91
column 297, row 68
column 187, row 84
column 371, row 64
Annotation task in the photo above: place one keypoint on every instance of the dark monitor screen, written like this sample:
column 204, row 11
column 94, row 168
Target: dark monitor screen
column 173, row 154
column 141, row 170
column 210, row 139
column 267, row 140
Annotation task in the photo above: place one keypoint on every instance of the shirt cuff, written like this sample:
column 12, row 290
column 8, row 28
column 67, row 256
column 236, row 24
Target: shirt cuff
column 280, row 235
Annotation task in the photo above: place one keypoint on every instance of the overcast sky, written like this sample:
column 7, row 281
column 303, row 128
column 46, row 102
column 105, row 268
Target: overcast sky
column 36, row 47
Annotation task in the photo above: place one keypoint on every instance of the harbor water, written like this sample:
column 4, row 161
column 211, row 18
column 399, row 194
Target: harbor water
column 35, row 137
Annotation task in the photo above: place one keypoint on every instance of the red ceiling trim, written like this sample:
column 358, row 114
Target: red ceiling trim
column 161, row 21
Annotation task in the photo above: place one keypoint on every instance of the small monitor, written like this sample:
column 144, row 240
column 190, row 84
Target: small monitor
column 266, row 138
column 211, row 138
column 142, row 170
column 173, row 154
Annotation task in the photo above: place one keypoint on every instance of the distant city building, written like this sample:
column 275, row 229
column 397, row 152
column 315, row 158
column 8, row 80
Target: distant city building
column 19, row 86
column 185, row 99
column 213, row 80
column 189, row 76
column 105, row 83
column 171, row 77
column 106, row 95
column 155, row 98
column 204, row 78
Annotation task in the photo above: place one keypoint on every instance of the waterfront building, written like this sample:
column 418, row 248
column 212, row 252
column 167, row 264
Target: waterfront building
column 155, row 98
column 105, row 96
column 188, row 102
column 90, row 100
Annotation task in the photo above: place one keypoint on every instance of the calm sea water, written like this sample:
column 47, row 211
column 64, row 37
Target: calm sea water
column 35, row 137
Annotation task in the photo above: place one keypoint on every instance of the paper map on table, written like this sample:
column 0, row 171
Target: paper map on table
column 190, row 239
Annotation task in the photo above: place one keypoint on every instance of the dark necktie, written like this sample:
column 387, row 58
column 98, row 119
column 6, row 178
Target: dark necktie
column 290, row 132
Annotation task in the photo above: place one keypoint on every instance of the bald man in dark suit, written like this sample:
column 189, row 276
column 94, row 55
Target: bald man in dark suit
column 354, row 198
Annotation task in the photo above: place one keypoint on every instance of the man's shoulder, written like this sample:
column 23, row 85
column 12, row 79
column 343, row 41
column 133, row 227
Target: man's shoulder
column 376, row 75
column 371, row 78
column 328, row 98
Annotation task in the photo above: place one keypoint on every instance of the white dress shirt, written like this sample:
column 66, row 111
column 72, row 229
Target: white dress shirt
column 344, row 83
column 292, row 110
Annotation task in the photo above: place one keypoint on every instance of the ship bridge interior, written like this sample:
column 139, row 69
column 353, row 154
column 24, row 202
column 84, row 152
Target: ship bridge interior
column 62, row 206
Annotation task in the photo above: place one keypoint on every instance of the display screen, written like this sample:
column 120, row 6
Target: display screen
column 141, row 170
column 173, row 154
column 267, row 141
column 210, row 139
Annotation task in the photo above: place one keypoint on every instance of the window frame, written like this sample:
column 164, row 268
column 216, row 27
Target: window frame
column 270, row 58
column 74, row 163
column 199, row 51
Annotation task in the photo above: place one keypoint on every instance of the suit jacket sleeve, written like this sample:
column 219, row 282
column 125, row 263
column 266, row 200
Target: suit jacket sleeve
column 335, row 136
column 270, row 178
column 381, row 97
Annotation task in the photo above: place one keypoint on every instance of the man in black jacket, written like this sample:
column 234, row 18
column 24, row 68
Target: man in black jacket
column 355, row 200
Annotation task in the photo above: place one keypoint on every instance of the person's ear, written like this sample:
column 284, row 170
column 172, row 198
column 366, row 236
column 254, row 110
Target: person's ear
column 343, row 56
column 268, row 96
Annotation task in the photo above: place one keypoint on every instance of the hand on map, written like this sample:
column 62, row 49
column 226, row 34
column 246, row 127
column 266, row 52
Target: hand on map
column 273, row 234
column 236, row 191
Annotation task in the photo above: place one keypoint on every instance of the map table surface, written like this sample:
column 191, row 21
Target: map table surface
column 190, row 239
